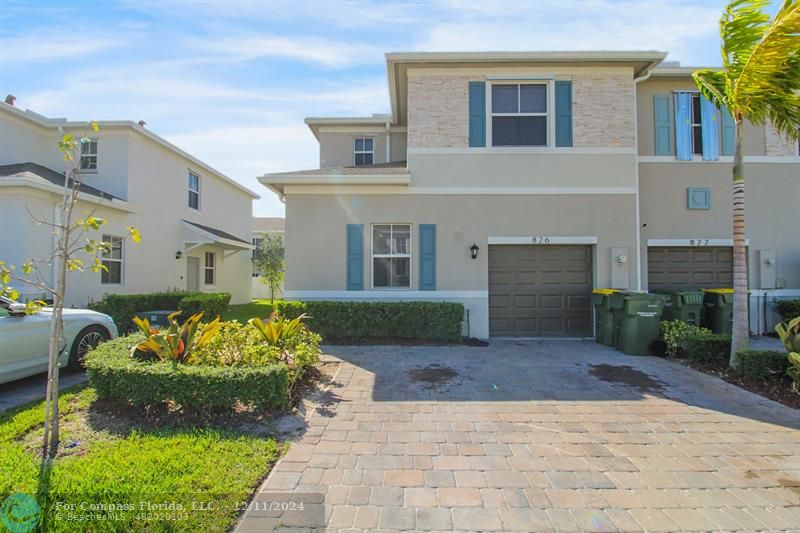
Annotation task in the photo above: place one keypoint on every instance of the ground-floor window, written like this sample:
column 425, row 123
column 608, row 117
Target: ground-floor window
column 210, row 268
column 112, row 261
column 391, row 256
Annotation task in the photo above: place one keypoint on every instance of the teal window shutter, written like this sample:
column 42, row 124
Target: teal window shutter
column 563, row 113
column 355, row 257
column 427, row 257
column 710, row 124
column 728, row 133
column 477, row 113
column 683, row 126
column 661, row 121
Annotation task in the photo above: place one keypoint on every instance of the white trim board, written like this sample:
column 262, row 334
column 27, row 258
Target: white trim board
column 693, row 243
column 388, row 189
column 383, row 295
column 539, row 240
column 527, row 150
column 783, row 159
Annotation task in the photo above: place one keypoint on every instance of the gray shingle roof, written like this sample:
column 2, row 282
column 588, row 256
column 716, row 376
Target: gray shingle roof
column 217, row 232
column 56, row 178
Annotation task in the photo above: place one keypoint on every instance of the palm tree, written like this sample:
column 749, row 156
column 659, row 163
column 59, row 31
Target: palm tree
column 759, row 82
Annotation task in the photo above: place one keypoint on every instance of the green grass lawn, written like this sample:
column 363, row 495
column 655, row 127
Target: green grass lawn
column 109, row 457
column 244, row 312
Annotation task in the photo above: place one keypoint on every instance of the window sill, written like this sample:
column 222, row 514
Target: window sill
column 391, row 289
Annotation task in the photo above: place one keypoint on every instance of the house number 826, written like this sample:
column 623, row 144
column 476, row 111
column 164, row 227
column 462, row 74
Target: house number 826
column 541, row 240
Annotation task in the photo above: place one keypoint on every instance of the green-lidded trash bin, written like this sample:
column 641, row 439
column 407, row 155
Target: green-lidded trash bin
column 638, row 317
column 155, row 318
column 603, row 316
column 718, row 310
column 685, row 306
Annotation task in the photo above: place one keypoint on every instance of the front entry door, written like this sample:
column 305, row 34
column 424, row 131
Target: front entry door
column 192, row 274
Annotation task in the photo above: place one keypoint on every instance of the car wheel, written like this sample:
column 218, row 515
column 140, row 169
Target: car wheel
column 87, row 339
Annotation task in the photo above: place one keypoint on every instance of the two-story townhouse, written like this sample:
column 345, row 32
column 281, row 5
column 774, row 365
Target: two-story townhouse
column 527, row 179
column 195, row 221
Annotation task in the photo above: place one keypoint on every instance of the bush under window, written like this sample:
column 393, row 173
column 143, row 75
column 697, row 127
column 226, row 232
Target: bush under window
column 357, row 321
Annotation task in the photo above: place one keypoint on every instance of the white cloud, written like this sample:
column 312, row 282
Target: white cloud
column 43, row 47
column 329, row 53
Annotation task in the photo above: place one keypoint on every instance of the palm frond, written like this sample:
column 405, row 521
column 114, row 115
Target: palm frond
column 741, row 28
column 712, row 85
column 771, row 63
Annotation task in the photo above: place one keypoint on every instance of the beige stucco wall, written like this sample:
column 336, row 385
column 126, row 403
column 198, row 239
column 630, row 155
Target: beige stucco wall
column 438, row 101
column 316, row 225
column 491, row 168
column 753, row 135
column 771, row 209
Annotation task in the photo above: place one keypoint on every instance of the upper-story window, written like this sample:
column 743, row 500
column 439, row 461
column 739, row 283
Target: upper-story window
column 88, row 155
column 363, row 151
column 697, row 125
column 519, row 114
column 194, row 190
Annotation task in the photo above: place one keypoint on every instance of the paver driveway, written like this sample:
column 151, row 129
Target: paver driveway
column 537, row 436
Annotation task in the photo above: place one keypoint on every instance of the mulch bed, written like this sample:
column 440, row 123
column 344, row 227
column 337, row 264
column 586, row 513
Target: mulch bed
column 779, row 390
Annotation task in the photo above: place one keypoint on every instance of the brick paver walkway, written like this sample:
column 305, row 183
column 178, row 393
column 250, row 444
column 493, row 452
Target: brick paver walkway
column 536, row 436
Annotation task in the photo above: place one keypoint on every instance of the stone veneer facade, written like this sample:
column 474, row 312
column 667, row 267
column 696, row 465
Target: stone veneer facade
column 438, row 110
column 777, row 144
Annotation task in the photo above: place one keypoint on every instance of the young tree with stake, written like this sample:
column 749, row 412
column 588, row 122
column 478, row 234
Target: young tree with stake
column 71, row 242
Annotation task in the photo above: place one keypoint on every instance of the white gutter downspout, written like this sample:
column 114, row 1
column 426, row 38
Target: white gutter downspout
column 388, row 144
column 636, row 82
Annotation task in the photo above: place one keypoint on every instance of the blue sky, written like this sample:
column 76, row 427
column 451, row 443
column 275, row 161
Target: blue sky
column 231, row 82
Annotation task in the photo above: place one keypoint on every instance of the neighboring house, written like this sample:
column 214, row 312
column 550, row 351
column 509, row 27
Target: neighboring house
column 195, row 222
column 518, row 182
column 261, row 227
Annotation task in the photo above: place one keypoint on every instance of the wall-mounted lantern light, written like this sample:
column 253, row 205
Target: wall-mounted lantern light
column 178, row 254
column 474, row 250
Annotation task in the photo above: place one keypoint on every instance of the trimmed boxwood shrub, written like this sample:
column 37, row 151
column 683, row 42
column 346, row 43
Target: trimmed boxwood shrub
column 713, row 349
column 122, row 307
column 338, row 321
column 762, row 364
column 117, row 376
column 788, row 309
column 210, row 304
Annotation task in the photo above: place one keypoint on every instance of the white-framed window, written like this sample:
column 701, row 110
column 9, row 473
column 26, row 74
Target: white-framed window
column 88, row 162
column 194, row 190
column 257, row 250
column 697, row 125
column 363, row 151
column 391, row 256
column 520, row 114
column 210, row 268
column 112, row 261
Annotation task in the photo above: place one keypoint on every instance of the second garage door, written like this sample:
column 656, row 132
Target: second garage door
column 686, row 267
column 540, row 291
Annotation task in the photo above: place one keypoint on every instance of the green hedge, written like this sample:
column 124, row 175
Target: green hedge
column 788, row 309
column 762, row 364
column 119, row 377
column 354, row 321
column 122, row 307
column 712, row 349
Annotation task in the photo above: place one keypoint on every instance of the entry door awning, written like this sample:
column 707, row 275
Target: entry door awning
column 195, row 234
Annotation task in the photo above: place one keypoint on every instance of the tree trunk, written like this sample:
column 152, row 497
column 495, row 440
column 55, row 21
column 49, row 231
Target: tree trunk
column 741, row 327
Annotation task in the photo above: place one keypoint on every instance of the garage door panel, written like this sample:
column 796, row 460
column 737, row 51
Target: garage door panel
column 540, row 291
column 672, row 268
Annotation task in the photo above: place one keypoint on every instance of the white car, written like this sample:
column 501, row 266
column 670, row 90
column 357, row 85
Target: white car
column 24, row 339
